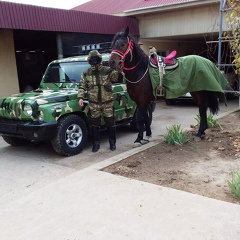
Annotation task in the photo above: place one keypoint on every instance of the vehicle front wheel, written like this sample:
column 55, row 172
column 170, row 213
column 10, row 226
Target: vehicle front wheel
column 71, row 136
column 170, row 101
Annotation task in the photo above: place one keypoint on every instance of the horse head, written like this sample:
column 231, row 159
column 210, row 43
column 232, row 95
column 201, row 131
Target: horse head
column 122, row 47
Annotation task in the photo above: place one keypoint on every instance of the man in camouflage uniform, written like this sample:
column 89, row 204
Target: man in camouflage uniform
column 97, row 81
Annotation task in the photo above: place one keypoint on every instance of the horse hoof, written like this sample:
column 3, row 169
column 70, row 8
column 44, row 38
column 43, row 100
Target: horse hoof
column 144, row 141
column 137, row 144
column 197, row 139
column 148, row 137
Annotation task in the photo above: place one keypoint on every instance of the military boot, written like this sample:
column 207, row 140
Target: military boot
column 96, row 141
column 112, row 137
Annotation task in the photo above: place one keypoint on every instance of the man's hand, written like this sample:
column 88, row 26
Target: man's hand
column 80, row 102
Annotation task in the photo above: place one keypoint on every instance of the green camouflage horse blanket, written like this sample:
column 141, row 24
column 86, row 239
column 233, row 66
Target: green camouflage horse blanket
column 194, row 73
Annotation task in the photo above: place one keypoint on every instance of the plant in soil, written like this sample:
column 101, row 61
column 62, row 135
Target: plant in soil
column 235, row 184
column 176, row 136
column 197, row 167
column 211, row 121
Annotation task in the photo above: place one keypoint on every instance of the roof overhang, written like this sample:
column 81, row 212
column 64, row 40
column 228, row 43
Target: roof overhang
column 169, row 7
column 30, row 17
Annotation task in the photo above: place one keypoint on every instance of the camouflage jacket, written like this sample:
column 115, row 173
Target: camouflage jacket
column 98, row 84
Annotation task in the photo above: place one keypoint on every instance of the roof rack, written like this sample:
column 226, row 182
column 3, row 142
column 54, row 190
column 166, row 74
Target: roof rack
column 104, row 47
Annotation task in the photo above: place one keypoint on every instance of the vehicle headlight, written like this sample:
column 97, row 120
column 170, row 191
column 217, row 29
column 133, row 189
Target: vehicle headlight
column 27, row 110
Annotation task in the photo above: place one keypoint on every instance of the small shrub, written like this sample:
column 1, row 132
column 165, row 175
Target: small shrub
column 211, row 121
column 235, row 184
column 176, row 136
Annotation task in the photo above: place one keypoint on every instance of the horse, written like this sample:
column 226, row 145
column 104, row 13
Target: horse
column 129, row 59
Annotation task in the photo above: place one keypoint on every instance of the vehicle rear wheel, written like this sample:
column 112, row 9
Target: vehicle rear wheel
column 170, row 101
column 71, row 136
column 135, row 122
column 15, row 141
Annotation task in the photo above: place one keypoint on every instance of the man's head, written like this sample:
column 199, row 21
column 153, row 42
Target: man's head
column 95, row 60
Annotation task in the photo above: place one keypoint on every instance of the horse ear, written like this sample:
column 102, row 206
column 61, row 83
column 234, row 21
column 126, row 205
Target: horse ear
column 127, row 31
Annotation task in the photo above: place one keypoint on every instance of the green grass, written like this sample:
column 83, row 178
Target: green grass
column 211, row 121
column 176, row 136
column 235, row 184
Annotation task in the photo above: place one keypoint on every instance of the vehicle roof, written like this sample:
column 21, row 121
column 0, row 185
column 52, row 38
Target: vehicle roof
column 83, row 58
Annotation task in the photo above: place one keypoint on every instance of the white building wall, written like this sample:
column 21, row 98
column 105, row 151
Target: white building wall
column 8, row 68
column 191, row 21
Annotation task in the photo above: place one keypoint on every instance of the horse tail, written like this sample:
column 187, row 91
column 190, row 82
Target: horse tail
column 213, row 103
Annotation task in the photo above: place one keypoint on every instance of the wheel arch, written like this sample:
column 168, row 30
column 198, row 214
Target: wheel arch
column 80, row 114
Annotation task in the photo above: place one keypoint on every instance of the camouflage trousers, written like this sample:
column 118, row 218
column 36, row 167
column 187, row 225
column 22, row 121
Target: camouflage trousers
column 98, row 110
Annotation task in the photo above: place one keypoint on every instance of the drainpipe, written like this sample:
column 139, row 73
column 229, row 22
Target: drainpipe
column 59, row 46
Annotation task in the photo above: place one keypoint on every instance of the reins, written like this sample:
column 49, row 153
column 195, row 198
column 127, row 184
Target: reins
column 138, row 80
column 123, row 56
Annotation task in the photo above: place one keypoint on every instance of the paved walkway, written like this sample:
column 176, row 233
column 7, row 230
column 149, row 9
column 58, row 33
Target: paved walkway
column 91, row 204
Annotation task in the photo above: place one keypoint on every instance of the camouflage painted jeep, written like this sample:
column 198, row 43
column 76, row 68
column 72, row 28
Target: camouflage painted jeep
column 51, row 112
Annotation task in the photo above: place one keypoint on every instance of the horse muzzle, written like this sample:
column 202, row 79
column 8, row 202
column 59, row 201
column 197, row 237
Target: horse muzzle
column 116, row 64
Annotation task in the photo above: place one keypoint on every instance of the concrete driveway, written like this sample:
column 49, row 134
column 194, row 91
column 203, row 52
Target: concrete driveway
column 46, row 196
column 26, row 168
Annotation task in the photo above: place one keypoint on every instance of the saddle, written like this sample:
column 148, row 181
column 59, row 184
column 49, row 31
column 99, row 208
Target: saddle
column 161, row 64
column 169, row 62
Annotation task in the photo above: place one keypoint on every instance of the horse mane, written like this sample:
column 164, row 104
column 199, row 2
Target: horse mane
column 139, row 53
column 137, row 47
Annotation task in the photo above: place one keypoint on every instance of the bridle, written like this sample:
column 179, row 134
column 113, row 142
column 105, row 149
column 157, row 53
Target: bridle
column 123, row 56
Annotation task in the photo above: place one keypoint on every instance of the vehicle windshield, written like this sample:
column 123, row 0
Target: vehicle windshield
column 65, row 72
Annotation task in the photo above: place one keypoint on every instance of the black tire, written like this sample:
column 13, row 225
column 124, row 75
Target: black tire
column 66, row 144
column 135, row 122
column 170, row 101
column 15, row 141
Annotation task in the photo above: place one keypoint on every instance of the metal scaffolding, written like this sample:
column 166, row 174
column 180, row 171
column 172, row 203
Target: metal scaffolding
column 223, row 39
column 220, row 38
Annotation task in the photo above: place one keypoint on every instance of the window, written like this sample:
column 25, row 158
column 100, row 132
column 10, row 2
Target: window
column 65, row 72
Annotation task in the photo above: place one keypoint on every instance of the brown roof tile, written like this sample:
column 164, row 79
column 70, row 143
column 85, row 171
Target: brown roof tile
column 113, row 6
column 29, row 17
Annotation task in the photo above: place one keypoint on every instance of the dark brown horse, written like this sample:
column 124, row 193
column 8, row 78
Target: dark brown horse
column 128, row 58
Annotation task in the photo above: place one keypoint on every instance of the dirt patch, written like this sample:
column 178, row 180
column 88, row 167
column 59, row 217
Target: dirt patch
column 197, row 167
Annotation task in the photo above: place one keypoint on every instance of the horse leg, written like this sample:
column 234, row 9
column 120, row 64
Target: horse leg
column 141, row 122
column 203, row 122
column 147, row 128
column 201, row 100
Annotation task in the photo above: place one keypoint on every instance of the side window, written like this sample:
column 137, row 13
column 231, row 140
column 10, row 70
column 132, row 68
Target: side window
column 52, row 74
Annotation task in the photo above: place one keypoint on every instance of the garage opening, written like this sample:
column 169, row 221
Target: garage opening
column 34, row 50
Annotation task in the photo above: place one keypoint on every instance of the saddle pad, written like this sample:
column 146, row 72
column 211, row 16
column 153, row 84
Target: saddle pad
column 194, row 73
column 168, row 65
column 169, row 61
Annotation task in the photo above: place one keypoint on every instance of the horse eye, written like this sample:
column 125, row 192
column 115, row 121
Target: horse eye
column 123, row 44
